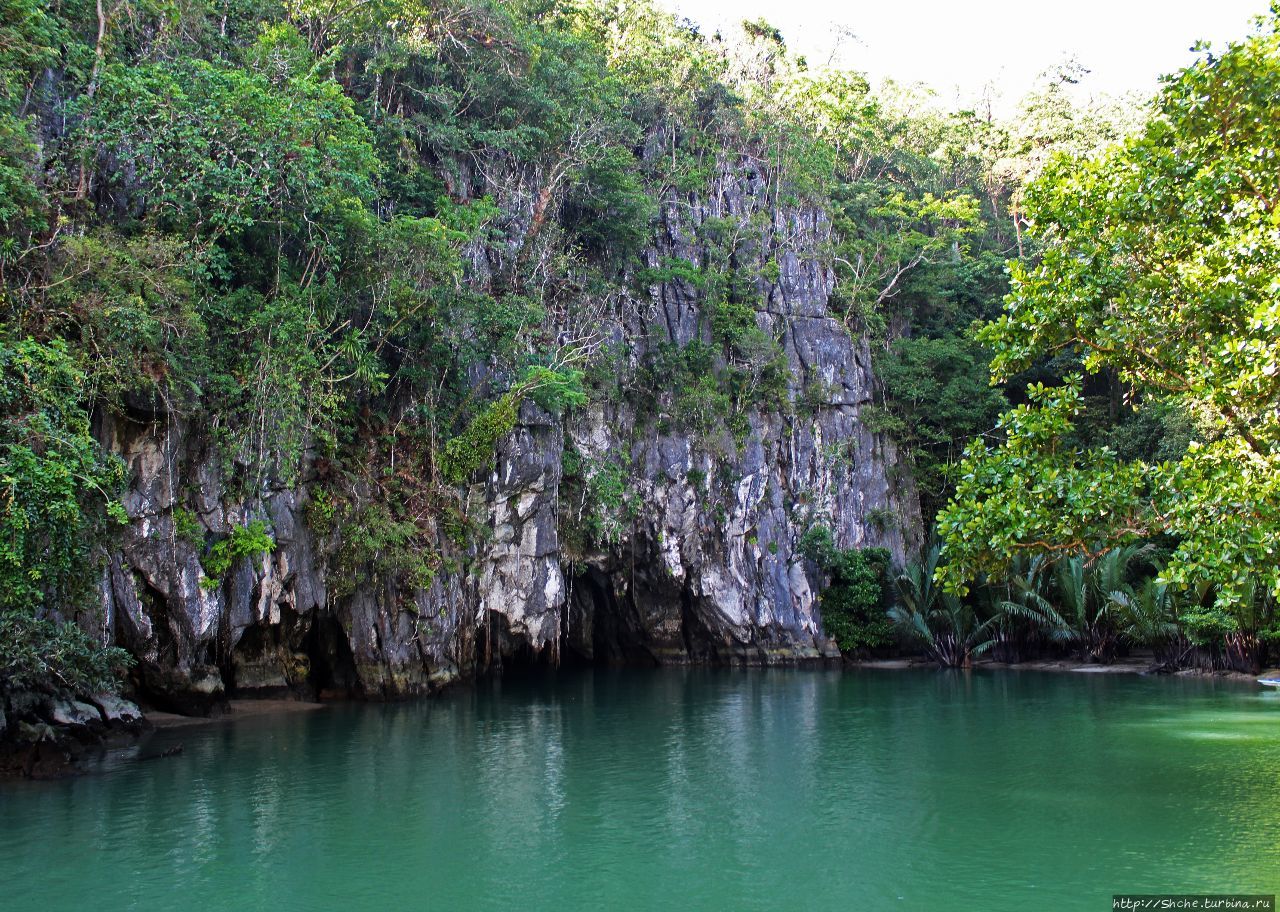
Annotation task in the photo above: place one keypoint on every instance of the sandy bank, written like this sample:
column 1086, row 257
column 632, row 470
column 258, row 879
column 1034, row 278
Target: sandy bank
column 239, row 709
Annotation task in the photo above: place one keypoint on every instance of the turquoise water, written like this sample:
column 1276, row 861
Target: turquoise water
column 681, row 789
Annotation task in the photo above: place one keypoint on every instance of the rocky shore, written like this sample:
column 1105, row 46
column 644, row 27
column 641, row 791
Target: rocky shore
column 43, row 737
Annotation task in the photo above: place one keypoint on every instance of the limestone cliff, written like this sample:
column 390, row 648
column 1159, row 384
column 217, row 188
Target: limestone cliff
column 703, row 567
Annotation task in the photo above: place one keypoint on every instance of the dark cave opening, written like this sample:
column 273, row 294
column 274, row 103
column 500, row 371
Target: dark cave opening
column 598, row 629
column 601, row 629
column 509, row 654
column 331, row 664
column 699, row 645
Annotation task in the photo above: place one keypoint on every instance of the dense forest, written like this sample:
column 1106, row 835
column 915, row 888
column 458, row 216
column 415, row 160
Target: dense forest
column 263, row 219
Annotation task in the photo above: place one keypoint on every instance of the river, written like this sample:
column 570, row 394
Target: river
column 680, row 789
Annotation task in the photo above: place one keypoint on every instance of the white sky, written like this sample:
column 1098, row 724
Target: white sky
column 958, row 46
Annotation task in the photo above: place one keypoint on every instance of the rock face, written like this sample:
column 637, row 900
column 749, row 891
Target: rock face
column 702, row 569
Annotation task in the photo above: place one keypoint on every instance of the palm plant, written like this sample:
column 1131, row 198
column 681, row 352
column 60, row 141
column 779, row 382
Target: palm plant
column 1149, row 616
column 949, row 629
column 1025, row 615
column 1229, row 639
column 1088, row 591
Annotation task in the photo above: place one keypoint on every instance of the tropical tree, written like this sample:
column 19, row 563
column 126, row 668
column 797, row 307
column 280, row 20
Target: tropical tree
column 1027, row 618
column 1158, row 265
column 1088, row 589
column 1083, row 610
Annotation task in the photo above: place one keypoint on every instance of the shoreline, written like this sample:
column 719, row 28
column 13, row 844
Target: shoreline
column 1137, row 665
column 242, row 708
column 68, row 757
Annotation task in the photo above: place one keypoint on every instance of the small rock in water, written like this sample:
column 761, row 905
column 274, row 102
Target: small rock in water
column 172, row 751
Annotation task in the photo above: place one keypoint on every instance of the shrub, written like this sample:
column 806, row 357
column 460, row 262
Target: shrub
column 947, row 628
column 473, row 449
column 853, row 604
column 61, row 659
column 244, row 541
column 56, row 483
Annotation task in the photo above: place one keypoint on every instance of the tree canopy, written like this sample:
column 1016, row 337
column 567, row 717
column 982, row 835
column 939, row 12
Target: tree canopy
column 1159, row 264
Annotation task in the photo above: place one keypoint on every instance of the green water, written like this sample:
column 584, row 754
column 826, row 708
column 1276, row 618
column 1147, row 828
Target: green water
column 680, row 789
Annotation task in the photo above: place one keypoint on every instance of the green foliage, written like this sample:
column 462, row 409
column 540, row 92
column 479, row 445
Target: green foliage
column 713, row 385
column 596, row 502
column 697, row 401
column 57, row 491
column 20, row 197
column 1158, row 265
column 895, row 211
column 29, row 37
column 674, row 270
column 218, row 149
column 881, row 518
column 57, row 486
column 1052, row 497
column 937, row 398
column 1089, row 592
column 607, row 492
column 129, row 301
column 853, row 603
column 473, row 449
column 1027, row 619
column 947, row 628
column 241, row 542
column 187, row 526
column 60, row 659
column 1149, row 616
column 376, row 543
column 554, row 389
column 608, row 208
column 1208, row 626
column 322, row 511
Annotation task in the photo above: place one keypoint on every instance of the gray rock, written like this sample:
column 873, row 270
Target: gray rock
column 189, row 690
column 73, row 713
column 36, row 732
column 706, row 570
column 114, row 709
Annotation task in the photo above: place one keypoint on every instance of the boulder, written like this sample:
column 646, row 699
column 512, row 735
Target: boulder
column 116, row 710
column 73, row 713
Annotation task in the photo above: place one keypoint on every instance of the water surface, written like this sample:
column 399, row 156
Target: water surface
column 681, row 789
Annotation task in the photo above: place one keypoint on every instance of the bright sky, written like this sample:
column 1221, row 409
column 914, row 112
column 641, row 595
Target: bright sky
column 958, row 46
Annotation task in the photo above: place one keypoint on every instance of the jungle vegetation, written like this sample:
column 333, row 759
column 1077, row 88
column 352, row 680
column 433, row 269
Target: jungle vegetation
column 258, row 216
column 1157, row 271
